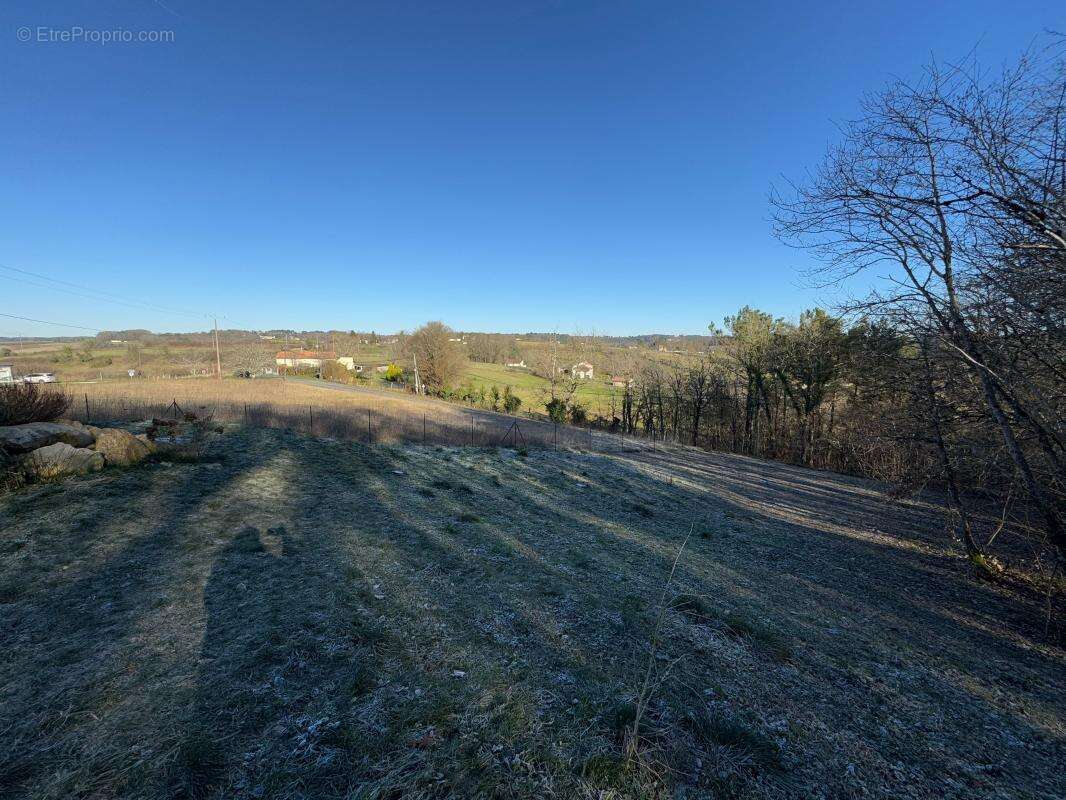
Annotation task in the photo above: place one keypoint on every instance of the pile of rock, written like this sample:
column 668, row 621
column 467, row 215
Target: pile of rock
column 55, row 449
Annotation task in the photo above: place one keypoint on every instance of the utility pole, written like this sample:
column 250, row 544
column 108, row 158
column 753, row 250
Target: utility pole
column 218, row 354
column 418, row 383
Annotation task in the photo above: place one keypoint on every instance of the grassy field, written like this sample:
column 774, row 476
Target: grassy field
column 74, row 362
column 595, row 395
column 295, row 618
column 323, row 409
column 77, row 363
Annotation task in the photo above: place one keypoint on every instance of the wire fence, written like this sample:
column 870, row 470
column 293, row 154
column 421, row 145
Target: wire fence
column 383, row 424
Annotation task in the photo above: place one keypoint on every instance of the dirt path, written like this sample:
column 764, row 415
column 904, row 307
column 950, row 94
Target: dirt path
column 294, row 617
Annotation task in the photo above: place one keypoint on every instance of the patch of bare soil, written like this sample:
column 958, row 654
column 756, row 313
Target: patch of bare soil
column 293, row 617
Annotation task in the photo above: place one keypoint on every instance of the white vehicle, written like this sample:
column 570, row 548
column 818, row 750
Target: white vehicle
column 39, row 377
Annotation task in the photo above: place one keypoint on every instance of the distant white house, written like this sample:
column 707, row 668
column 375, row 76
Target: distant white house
column 298, row 359
column 582, row 371
column 517, row 364
column 348, row 362
column 7, row 373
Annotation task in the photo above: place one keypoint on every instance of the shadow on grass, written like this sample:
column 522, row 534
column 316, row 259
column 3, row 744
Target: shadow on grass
column 331, row 620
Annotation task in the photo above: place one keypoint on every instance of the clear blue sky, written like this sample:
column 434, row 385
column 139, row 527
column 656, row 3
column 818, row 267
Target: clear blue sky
column 504, row 165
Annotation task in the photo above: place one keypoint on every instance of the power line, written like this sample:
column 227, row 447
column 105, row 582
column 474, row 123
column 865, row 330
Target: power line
column 96, row 294
column 99, row 295
column 46, row 322
column 76, row 294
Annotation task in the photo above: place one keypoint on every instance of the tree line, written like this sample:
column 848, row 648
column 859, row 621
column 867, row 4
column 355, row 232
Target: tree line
column 953, row 191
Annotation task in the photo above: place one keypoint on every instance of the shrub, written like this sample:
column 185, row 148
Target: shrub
column 578, row 414
column 26, row 402
column 334, row 371
column 393, row 373
column 511, row 401
column 556, row 408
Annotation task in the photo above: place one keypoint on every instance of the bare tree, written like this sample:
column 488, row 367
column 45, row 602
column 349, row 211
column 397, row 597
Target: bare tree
column 250, row 357
column 440, row 360
column 955, row 185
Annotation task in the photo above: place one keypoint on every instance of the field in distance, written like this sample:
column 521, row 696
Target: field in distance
column 157, row 358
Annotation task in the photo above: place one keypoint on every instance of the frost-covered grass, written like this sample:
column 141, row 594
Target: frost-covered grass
column 299, row 617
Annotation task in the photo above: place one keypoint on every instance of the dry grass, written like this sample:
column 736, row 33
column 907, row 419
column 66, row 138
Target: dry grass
column 293, row 618
column 324, row 410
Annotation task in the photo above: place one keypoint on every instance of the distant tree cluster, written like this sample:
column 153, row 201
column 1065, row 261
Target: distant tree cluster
column 491, row 348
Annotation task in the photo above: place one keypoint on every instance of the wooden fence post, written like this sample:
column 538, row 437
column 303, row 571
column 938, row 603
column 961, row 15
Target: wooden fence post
column 369, row 432
column 311, row 421
column 86, row 406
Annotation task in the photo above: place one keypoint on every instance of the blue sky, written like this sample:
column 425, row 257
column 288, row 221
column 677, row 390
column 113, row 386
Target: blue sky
column 556, row 165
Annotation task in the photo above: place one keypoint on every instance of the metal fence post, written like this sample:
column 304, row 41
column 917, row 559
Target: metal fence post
column 311, row 421
column 423, row 427
column 369, row 430
column 86, row 406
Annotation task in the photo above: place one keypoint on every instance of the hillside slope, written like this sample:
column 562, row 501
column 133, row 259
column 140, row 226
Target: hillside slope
column 297, row 617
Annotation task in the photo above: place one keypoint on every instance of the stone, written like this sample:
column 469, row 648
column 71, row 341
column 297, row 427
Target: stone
column 120, row 448
column 33, row 435
column 60, row 459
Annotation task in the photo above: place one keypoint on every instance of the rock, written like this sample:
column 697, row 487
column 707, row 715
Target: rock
column 143, row 437
column 60, row 459
column 120, row 448
column 33, row 435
